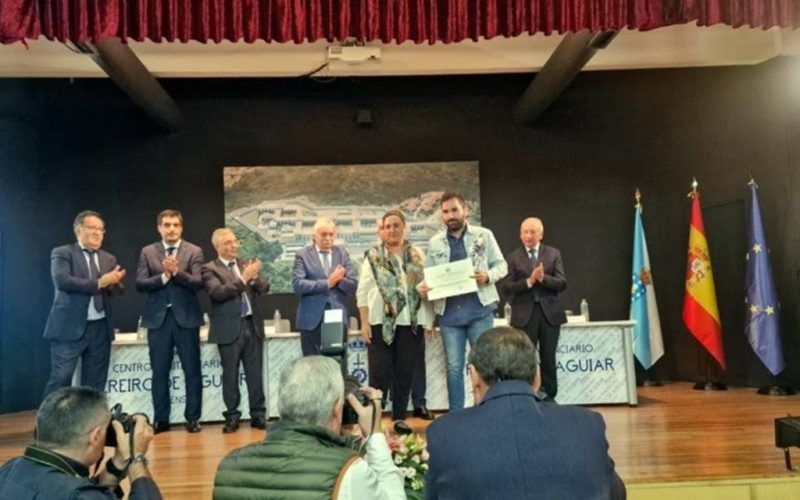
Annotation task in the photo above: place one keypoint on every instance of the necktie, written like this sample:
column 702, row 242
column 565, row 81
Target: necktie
column 94, row 273
column 244, row 310
column 326, row 263
column 534, row 256
column 170, row 251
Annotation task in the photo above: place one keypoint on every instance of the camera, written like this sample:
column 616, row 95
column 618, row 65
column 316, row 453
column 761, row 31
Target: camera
column 352, row 386
column 123, row 418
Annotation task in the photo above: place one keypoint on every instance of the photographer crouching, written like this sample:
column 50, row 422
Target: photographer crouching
column 73, row 426
column 305, row 454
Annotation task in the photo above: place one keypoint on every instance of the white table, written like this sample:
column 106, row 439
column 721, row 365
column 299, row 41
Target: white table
column 594, row 366
column 594, row 363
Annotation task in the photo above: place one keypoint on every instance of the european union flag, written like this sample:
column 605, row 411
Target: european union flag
column 762, row 323
column 648, row 345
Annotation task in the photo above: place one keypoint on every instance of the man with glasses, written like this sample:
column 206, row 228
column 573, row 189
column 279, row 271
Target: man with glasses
column 79, row 325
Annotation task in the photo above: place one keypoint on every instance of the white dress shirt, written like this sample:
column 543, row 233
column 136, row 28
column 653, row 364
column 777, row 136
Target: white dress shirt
column 92, row 314
column 376, row 478
column 322, row 256
column 164, row 278
column 239, row 274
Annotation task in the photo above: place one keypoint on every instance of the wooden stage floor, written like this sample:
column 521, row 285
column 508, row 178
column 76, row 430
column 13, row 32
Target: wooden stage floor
column 675, row 434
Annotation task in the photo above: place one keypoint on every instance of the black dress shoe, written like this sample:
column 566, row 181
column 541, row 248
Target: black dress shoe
column 402, row 428
column 193, row 426
column 258, row 423
column 424, row 413
column 160, row 426
column 231, row 425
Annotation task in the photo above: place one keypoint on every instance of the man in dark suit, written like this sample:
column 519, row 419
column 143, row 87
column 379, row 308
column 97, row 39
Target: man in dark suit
column 535, row 278
column 79, row 325
column 510, row 445
column 322, row 277
column 169, row 273
column 237, row 326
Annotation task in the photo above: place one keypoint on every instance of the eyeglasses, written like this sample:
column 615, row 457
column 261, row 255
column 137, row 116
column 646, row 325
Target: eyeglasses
column 95, row 229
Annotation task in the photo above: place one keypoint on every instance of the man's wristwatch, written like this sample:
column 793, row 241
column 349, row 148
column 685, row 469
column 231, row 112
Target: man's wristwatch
column 141, row 458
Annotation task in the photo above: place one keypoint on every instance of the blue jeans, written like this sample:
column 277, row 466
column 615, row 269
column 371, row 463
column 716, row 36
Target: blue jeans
column 454, row 340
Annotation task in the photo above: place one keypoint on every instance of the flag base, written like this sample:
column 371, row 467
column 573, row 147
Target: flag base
column 710, row 386
column 775, row 390
column 652, row 383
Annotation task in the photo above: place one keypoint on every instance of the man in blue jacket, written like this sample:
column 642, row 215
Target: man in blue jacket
column 464, row 317
column 511, row 445
column 322, row 277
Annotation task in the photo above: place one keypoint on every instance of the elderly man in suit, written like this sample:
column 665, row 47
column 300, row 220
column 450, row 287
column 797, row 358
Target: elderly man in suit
column 237, row 326
column 535, row 278
column 79, row 325
column 322, row 277
column 526, row 449
column 169, row 273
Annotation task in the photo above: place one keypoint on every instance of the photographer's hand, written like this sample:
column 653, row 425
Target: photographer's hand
column 365, row 413
column 142, row 436
column 124, row 455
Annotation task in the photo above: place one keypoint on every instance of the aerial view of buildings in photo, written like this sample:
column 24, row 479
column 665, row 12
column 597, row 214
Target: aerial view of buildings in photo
column 273, row 209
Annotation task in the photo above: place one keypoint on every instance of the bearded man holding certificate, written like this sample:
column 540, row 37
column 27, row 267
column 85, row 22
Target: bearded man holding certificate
column 462, row 266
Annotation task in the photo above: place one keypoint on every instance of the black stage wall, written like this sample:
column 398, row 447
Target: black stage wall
column 67, row 146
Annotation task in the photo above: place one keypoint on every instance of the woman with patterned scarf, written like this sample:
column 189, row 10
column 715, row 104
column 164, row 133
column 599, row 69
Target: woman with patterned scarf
column 393, row 315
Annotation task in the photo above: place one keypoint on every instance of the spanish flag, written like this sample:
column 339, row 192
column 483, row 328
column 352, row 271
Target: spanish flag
column 700, row 314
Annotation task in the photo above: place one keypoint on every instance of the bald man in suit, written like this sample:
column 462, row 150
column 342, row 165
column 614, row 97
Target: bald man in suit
column 535, row 278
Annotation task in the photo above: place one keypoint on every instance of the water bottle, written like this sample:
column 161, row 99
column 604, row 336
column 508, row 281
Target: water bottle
column 277, row 321
column 141, row 332
column 585, row 309
column 507, row 312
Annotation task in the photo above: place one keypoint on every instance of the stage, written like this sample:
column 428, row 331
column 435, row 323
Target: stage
column 678, row 443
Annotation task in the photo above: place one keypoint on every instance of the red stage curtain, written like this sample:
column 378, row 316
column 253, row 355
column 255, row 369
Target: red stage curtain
column 385, row 20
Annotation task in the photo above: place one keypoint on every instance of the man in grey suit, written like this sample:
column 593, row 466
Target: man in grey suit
column 322, row 277
column 169, row 273
column 237, row 326
column 79, row 325
column 535, row 278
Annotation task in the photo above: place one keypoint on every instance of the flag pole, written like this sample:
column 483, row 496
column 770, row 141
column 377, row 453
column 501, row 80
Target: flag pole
column 704, row 357
column 774, row 389
column 650, row 378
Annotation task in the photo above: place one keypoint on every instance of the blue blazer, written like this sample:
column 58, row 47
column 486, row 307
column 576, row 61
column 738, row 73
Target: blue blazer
column 74, row 289
column 180, row 291
column 512, row 446
column 310, row 283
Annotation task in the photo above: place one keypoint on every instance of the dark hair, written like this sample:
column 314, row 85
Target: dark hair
column 393, row 213
column 450, row 195
column 78, row 222
column 68, row 414
column 169, row 213
column 504, row 353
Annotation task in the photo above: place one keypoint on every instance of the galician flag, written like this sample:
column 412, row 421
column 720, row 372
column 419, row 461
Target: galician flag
column 700, row 314
column 648, row 345
column 762, row 324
